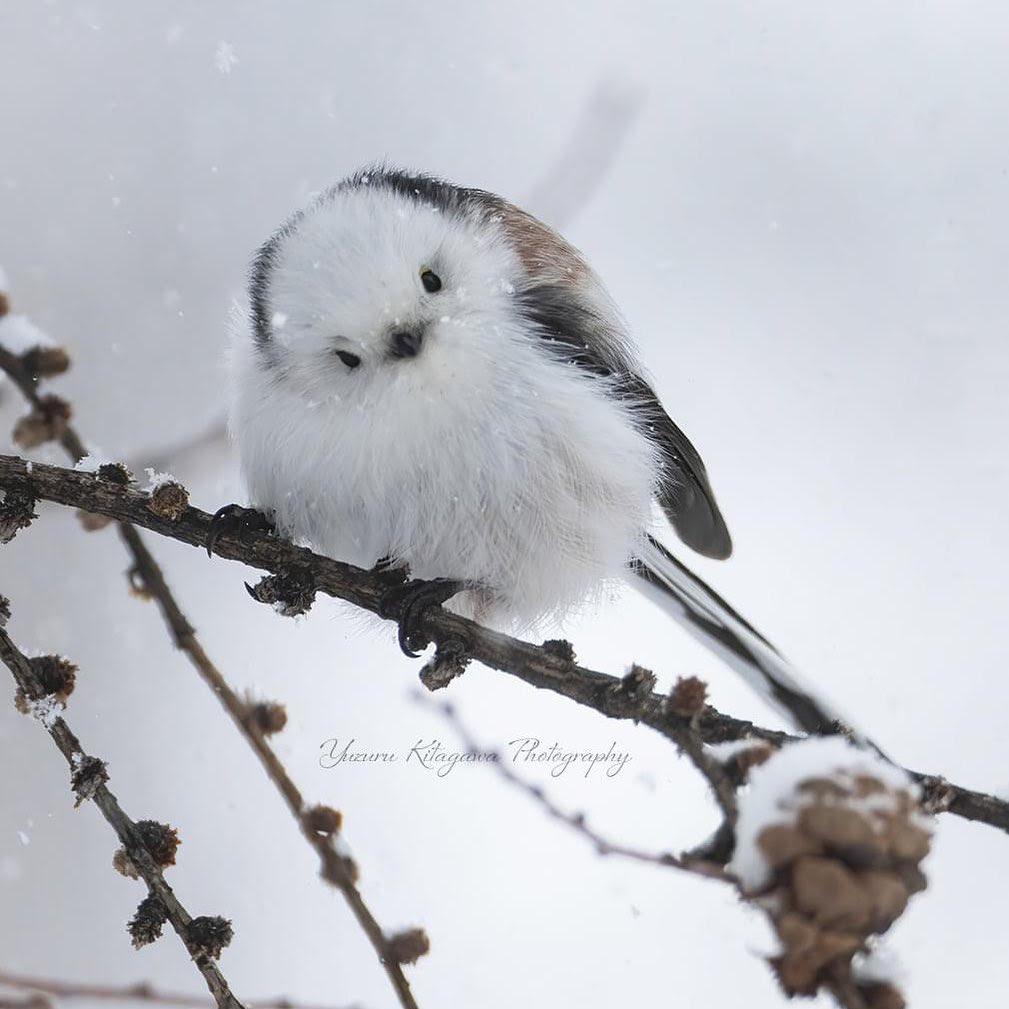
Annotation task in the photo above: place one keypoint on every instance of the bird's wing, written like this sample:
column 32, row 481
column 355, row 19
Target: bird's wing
column 685, row 492
column 580, row 335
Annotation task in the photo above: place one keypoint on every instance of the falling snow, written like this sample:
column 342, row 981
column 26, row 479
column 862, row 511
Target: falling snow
column 224, row 57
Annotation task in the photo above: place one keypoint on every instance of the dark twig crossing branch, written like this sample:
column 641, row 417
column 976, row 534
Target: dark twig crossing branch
column 545, row 668
column 336, row 868
column 577, row 821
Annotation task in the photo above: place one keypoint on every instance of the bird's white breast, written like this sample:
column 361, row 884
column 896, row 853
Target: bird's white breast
column 483, row 459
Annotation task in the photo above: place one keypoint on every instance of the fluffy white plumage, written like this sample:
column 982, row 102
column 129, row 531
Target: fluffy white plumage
column 482, row 458
column 431, row 377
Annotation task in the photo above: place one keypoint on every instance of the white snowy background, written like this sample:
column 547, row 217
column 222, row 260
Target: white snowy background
column 805, row 221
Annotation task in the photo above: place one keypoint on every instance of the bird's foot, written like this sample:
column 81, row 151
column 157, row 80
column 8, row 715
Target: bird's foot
column 233, row 519
column 407, row 602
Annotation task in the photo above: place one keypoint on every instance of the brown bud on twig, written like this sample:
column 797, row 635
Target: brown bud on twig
column 624, row 697
column 46, row 422
column 323, row 820
column 57, row 676
column 688, row 696
column 449, row 662
column 146, row 924
column 638, row 682
column 88, row 775
column 210, row 934
column 160, row 840
column 5, row 305
column 560, row 649
column 115, row 472
column 269, row 717
column 169, row 500
column 56, row 673
column 408, row 946
column 45, row 362
column 123, row 864
column 882, row 995
column 290, row 594
column 17, row 512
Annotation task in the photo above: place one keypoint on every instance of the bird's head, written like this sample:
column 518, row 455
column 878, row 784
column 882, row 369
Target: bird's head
column 382, row 277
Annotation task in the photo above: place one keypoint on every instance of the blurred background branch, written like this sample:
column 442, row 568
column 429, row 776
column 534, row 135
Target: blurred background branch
column 43, row 989
column 575, row 821
column 566, row 186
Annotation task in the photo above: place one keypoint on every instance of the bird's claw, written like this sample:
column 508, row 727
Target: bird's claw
column 235, row 519
column 408, row 602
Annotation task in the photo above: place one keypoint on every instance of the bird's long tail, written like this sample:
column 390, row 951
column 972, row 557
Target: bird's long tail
column 710, row 619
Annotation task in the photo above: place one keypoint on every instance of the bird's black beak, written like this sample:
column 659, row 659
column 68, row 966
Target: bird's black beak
column 406, row 343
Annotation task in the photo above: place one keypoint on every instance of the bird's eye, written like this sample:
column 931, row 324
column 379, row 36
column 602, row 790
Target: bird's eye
column 431, row 281
column 350, row 360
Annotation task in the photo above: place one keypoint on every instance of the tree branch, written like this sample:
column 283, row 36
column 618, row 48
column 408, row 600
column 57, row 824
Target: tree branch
column 126, row 829
column 337, row 869
column 576, row 821
column 545, row 667
column 142, row 991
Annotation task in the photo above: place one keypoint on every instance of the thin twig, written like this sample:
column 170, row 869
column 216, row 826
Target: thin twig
column 576, row 821
column 166, row 457
column 597, row 137
column 142, row 991
column 336, row 869
column 27, row 1002
column 126, row 829
column 540, row 667
column 840, row 985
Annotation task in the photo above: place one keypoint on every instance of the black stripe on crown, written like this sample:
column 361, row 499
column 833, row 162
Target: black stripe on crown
column 426, row 189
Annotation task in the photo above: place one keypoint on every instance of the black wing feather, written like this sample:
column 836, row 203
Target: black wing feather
column 578, row 334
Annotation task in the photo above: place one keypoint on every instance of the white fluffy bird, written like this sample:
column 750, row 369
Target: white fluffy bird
column 434, row 379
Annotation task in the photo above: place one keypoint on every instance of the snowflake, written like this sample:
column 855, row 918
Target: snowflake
column 224, row 57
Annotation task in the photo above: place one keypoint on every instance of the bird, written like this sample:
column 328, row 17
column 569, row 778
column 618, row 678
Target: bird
column 430, row 380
